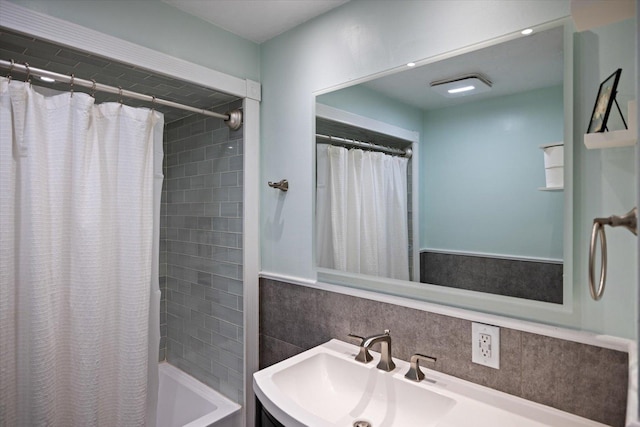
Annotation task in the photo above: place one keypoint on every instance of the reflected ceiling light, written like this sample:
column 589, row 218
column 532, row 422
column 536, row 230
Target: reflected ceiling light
column 526, row 32
column 47, row 79
column 468, row 84
column 411, row 64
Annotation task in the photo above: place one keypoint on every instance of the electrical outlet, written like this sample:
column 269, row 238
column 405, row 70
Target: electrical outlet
column 485, row 345
column 485, row 340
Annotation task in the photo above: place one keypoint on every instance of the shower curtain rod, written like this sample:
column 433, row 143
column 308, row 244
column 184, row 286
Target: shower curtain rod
column 352, row 142
column 14, row 66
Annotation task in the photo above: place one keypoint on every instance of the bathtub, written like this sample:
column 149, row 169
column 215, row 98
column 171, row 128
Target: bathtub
column 185, row 401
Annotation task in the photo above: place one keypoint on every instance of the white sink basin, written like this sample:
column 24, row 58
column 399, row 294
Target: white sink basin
column 325, row 386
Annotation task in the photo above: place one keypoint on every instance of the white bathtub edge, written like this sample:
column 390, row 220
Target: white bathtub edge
column 226, row 407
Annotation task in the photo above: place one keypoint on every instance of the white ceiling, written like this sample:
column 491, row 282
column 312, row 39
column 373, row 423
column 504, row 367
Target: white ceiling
column 256, row 20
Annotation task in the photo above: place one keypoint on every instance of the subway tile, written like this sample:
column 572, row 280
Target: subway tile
column 175, row 171
column 212, row 123
column 228, row 330
column 231, row 361
column 229, row 209
column 212, row 180
column 197, row 127
column 220, row 224
column 220, row 194
column 220, row 164
column 227, row 314
column 223, row 269
column 205, row 223
column 198, row 155
column 219, row 370
column 184, row 157
column 198, row 291
column 220, row 297
column 204, row 279
column 195, row 358
column 174, row 348
column 204, row 335
column 212, row 209
column 176, row 297
column 220, row 135
column 234, row 225
column 231, row 345
column 229, row 179
column 196, row 209
column 197, row 182
column 235, row 287
column 197, row 319
column 176, row 310
column 236, row 163
column 205, row 167
column 205, row 251
column 197, row 166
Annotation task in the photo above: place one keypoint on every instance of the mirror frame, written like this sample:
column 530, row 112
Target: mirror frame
column 562, row 314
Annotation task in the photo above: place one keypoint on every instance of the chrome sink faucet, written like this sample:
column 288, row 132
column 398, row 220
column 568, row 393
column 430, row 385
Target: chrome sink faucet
column 386, row 361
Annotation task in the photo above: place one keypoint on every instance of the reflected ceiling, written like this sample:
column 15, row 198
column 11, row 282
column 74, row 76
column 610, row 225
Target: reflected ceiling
column 523, row 64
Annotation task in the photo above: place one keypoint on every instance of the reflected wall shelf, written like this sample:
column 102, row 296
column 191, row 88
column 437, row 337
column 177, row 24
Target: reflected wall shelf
column 550, row 188
column 616, row 138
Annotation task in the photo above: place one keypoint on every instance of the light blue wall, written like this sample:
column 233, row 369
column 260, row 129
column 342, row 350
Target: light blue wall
column 158, row 26
column 369, row 103
column 481, row 167
column 605, row 180
column 363, row 38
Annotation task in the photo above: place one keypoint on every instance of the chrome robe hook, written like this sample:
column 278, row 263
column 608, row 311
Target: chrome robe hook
column 282, row 185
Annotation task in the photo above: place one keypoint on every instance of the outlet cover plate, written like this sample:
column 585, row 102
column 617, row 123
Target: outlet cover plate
column 477, row 355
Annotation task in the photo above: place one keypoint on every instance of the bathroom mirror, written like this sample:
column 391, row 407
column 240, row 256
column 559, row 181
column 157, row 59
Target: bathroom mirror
column 491, row 215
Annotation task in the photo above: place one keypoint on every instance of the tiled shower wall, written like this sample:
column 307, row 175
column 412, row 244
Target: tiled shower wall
column 582, row 379
column 201, row 252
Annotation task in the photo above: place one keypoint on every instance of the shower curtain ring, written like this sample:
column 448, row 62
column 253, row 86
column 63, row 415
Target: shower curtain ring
column 93, row 88
column 71, row 84
column 153, row 103
column 9, row 76
column 120, row 92
column 28, row 80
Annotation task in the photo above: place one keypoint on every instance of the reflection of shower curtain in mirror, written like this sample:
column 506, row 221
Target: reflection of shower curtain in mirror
column 361, row 210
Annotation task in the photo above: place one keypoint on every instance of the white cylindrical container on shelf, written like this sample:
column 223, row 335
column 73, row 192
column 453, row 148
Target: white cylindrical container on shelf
column 554, row 176
column 554, row 165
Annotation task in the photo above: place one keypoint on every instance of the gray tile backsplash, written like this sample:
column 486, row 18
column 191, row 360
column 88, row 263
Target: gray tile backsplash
column 201, row 252
column 582, row 379
column 534, row 280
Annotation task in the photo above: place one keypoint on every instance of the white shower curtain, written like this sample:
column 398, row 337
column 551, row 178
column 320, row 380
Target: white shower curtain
column 361, row 212
column 79, row 217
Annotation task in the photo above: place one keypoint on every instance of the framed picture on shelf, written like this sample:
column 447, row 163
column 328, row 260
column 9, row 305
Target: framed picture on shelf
column 604, row 102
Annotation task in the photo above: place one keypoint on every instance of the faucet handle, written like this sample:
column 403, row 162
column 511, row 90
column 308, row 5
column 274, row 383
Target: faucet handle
column 414, row 373
column 363, row 356
column 358, row 337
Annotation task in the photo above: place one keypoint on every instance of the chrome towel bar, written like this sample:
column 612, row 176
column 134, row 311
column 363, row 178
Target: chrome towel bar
column 629, row 220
